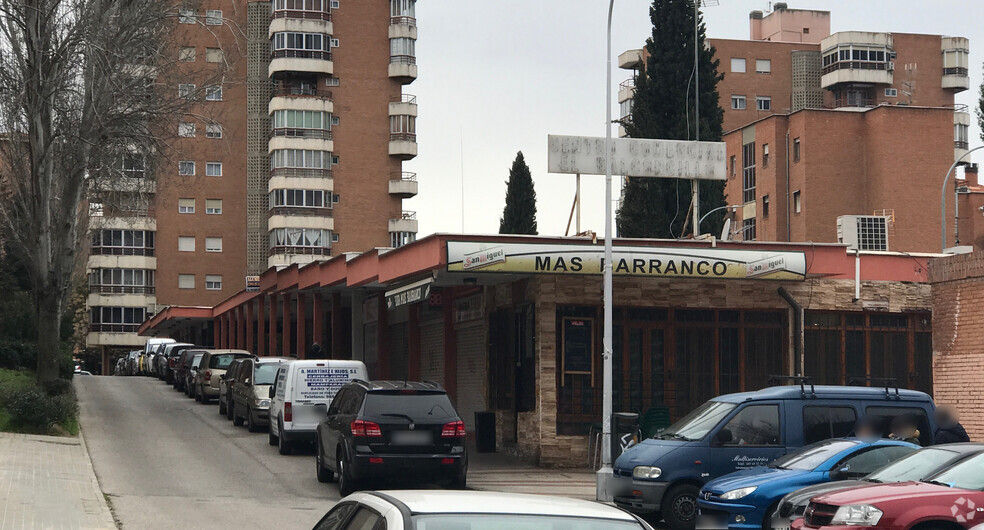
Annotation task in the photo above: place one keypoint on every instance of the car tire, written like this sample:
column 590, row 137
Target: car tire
column 271, row 438
column 197, row 394
column 324, row 474
column 346, row 486
column 229, row 407
column 283, row 446
column 680, row 506
column 222, row 407
column 770, row 512
column 236, row 419
column 459, row 483
column 250, row 424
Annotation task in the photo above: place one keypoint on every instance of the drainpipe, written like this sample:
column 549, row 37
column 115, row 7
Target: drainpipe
column 789, row 236
column 798, row 337
column 857, row 275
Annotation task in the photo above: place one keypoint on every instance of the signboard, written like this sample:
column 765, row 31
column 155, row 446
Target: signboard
column 252, row 284
column 637, row 157
column 577, row 345
column 409, row 294
column 638, row 261
column 322, row 383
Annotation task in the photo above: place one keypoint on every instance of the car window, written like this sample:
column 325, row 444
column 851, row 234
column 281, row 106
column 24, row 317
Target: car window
column 281, row 381
column 860, row 464
column 885, row 415
column 221, row 362
column 338, row 400
column 426, row 406
column 197, row 361
column 821, row 423
column 265, row 373
column 968, row 474
column 336, row 517
column 809, row 457
column 699, row 422
column 915, row 466
column 754, row 425
column 364, row 519
column 352, row 402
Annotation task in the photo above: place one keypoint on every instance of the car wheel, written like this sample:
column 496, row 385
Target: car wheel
column 204, row 397
column 346, row 485
column 770, row 513
column 229, row 405
column 272, row 439
column 459, row 483
column 250, row 424
column 236, row 419
column 324, row 474
column 196, row 391
column 222, row 407
column 680, row 506
column 283, row 445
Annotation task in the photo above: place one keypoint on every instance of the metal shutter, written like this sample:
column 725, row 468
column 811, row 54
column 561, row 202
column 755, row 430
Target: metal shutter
column 432, row 351
column 472, row 372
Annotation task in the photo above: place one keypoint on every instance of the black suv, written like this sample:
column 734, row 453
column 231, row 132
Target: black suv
column 390, row 429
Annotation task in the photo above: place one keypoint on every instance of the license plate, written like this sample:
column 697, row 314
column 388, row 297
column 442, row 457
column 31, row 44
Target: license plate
column 411, row 438
column 780, row 523
column 711, row 522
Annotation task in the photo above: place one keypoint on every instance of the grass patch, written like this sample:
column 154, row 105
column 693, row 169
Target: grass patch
column 53, row 412
column 14, row 380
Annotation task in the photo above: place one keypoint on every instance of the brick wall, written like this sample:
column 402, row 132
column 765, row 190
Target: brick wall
column 958, row 336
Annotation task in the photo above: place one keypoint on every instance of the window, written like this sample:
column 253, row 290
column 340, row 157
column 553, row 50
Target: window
column 796, row 150
column 135, row 278
column 301, row 198
column 301, row 119
column 865, row 462
column 961, row 135
column 806, row 31
column 186, row 168
column 748, row 229
column 186, row 205
column 186, row 130
column 765, row 206
column 334, row 162
column 403, row 47
column 213, row 17
column 213, row 206
column 331, row 81
column 738, row 102
column 336, row 516
column 737, row 65
column 300, row 158
column 765, row 155
column 303, row 42
column 187, row 54
column 403, row 8
column 732, row 165
column 213, row 244
column 213, row 93
column 763, row 66
column 186, row 15
column 797, row 204
column 753, row 425
column 213, row 169
column 335, row 4
column 116, row 319
column 885, row 415
column 186, row 244
column 822, row 423
column 763, row 103
column 134, row 165
column 300, row 237
column 213, row 282
column 334, row 43
column 123, row 242
column 398, row 239
column 891, row 92
column 213, row 55
column 186, row 90
column 748, row 172
column 403, row 125
column 186, row 281
column 334, row 120
column 213, row 130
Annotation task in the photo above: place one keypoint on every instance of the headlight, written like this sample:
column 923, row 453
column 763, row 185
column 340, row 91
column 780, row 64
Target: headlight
column 646, row 472
column 738, row 494
column 261, row 403
column 857, row 515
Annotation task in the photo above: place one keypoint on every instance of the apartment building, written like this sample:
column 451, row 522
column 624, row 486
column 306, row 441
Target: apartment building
column 820, row 126
column 292, row 151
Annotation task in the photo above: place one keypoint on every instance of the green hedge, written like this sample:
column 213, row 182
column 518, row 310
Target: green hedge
column 16, row 355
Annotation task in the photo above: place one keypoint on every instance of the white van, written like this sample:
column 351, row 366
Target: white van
column 300, row 397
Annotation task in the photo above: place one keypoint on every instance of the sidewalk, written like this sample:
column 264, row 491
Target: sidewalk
column 48, row 482
column 498, row 472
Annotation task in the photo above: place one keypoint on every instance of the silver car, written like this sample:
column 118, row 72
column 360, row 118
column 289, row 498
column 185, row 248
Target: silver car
column 189, row 386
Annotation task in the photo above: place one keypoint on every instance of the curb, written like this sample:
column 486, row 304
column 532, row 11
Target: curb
column 102, row 505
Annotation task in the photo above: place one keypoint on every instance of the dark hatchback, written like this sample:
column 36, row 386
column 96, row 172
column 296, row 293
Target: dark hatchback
column 391, row 429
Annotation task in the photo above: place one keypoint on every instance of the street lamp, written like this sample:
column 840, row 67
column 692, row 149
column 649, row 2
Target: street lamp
column 701, row 220
column 943, row 199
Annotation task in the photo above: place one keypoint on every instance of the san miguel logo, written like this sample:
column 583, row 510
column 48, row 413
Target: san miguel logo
column 483, row 258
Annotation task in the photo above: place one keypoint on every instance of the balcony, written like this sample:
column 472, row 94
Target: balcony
column 956, row 59
column 310, row 61
column 303, row 211
column 406, row 223
column 956, row 78
column 313, row 218
column 122, row 299
column 122, row 289
column 403, row 67
column 300, row 172
column 293, row 132
column 630, row 60
column 288, row 96
column 115, row 335
column 301, row 142
column 403, row 28
column 626, row 89
column 403, row 145
column 961, row 131
column 403, row 185
column 281, row 256
column 303, row 21
column 404, row 105
column 857, row 72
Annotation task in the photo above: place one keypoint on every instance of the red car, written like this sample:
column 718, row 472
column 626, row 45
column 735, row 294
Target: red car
column 951, row 499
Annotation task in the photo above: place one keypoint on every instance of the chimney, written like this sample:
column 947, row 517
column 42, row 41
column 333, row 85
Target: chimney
column 755, row 25
column 970, row 175
column 780, row 6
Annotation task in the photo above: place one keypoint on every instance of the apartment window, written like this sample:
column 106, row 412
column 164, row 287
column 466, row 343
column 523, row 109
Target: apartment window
column 763, row 103
column 187, row 54
column 308, row 44
column 213, row 93
column 403, row 48
column 334, row 160
column 213, row 17
column 186, row 15
column 213, row 169
column 213, row 244
column 748, row 230
column 961, row 136
column 213, row 206
column 763, row 66
column 403, row 125
column 300, row 198
column 334, row 43
column 891, row 92
column 332, row 81
column 732, row 165
column 213, row 282
column 796, row 150
column 765, row 206
column 121, row 280
column 398, row 239
column 186, row 168
column 213, row 55
column 301, row 119
column 213, row 130
column 116, row 319
column 335, row 4
column 186, row 244
column 797, row 203
column 806, row 31
column 403, row 8
column 186, row 130
column 300, row 237
column 334, row 120
column 300, row 158
column 186, row 205
column 186, row 281
column 737, row 65
column 186, row 90
column 738, row 102
column 123, row 242
column 134, row 165
column 765, row 155
column 748, row 172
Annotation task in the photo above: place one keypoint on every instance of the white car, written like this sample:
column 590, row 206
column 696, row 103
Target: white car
column 473, row 510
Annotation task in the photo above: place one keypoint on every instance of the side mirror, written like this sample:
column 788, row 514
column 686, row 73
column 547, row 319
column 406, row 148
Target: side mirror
column 272, row 393
column 722, row 437
column 840, row 473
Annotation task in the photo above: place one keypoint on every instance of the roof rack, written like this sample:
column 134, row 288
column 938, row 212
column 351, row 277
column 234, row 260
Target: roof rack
column 803, row 380
column 888, row 382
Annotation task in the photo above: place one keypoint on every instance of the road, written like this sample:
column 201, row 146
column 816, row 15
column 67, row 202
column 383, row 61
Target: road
column 166, row 461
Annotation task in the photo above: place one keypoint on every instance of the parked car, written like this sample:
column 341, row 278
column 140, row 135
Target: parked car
column 150, row 354
column 951, row 499
column 225, row 383
column 747, row 499
column 169, row 359
column 120, row 367
column 739, row 431
column 436, row 509
column 214, row 363
column 194, row 361
column 181, row 368
column 133, row 362
column 300, row 396
column 250, row 391
column 160, row 360
column 919, row 465
column 386, row 429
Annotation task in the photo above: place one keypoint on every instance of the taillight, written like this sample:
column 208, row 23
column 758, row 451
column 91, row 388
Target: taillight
column 171, row 363
column 208, row 375
column 367, row 429
column 455, row 429
column 288, row 412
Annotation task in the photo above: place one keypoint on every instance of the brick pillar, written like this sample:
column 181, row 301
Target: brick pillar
column 285, row 342
column 413, row 343
column 240, row 328
column 302, row 345
column 317, row 318
column 450, row 345
column 217, row 332
column 336, row 326
column 261, row 325
column 226, row 331
column 273, row 325
column 249, row 327
column 383, row 344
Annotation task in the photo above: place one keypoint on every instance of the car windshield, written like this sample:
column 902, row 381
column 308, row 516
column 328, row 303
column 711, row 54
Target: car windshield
column 968, row 475
column 221, row 362
column 811, row 456
column 698, row 423
column 265, row 373
column 197, row 360
column 468, row 521
column 915, row 466
column 420, row 407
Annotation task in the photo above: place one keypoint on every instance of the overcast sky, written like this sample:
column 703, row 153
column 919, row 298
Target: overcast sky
column 498, row 77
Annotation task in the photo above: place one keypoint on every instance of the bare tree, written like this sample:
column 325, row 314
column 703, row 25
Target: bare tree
column 80, row 101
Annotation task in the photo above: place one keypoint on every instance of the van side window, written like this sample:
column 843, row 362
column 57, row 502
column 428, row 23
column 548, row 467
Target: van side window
column 885, row 415
column 821, row 423
column 755, row 425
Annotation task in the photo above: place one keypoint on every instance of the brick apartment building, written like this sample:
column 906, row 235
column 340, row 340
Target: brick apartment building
column 292, row 153
column 822, row 125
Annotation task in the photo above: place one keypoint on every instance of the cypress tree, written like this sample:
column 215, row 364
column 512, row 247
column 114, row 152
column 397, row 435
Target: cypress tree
column 663, row 108
column 519, row 215
column 980, row 111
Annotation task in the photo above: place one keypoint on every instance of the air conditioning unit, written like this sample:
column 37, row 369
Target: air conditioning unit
column 863, row 232
column 891, row 66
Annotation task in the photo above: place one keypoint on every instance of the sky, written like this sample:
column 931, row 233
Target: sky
column 496, row 78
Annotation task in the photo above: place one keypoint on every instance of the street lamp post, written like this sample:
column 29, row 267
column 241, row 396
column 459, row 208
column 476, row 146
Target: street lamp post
column 701, row 220
column 943, row 199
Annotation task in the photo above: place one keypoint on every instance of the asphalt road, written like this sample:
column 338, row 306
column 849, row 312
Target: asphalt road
column 167, row 461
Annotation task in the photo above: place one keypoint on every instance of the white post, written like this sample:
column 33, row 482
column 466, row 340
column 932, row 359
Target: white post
column 577, row 200
column 695, row 184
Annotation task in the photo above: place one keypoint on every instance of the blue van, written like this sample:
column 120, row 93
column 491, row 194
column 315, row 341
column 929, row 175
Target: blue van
column 662, row 476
